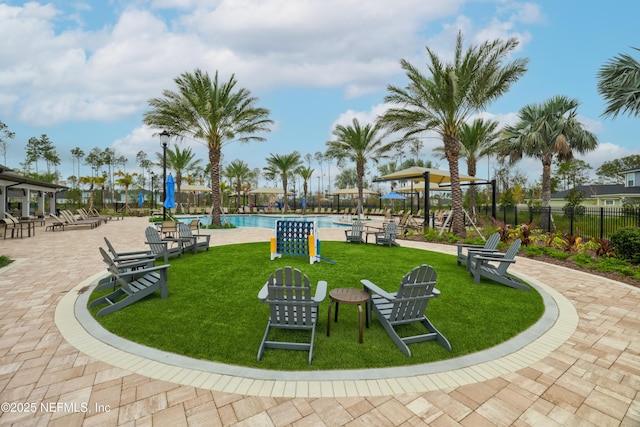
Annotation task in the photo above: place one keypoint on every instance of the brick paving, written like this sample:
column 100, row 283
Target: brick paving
column 591, row 377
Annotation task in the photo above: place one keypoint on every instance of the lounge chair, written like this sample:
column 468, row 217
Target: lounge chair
column 192, row 241
column 162, row 248
column 194, row 224
column 72, row 220
column 490, row 246
column 355, row 234
column 388, row 235
column 291, row 306
column 134, row 285
column 494, row 266
column 407, row 306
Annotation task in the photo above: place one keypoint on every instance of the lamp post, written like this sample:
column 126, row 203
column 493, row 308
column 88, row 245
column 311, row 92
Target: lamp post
column 153, row 189
column 164, row 141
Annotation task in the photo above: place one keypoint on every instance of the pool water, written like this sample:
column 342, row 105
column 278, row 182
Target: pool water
column 268, row 221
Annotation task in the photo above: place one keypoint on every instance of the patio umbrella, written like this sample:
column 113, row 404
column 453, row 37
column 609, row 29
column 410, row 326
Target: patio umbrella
column 170, row 202
column 392, row 195
column 140, row 199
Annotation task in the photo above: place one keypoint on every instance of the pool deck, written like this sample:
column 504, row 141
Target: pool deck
column 584, row 370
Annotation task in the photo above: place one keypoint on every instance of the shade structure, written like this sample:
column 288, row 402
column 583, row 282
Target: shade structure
column 266, row 190
column 353, row 191
column 140, row 199
column 194, row 188
column 419, row 186
column 392, row 196
column 416, row 174
column 170, row 201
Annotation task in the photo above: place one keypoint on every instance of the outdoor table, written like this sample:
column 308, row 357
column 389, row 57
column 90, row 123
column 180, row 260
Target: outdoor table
column 348, row 296
column 371, row 230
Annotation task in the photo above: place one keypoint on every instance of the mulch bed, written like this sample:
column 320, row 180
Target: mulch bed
column 569, row 263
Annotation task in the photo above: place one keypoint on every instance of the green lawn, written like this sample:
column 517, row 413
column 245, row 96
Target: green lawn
column 213, row 312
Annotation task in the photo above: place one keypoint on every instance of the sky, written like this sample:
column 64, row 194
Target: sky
column 82, row 72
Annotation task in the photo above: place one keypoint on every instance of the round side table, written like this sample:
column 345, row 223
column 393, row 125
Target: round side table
column 348, row 296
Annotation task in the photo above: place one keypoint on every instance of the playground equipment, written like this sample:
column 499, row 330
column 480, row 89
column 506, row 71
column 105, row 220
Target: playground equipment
column 298, row 238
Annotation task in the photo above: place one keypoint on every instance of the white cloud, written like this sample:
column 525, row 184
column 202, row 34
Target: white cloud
column 60, row 75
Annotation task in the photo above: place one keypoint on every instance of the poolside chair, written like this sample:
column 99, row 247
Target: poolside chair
column 388, row 235
column 192, row 241
column 169, row 228
column 494, row 266
column 72, row 220
column 291, row 306
column 194, row 224
column 490, row 246
column 355, row 234
column 406, row 306
column 162, row 248
column 134, row 285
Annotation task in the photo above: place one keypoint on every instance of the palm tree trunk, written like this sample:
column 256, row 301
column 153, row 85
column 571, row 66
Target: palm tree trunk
column 360, row 172
column 285, row 202
column 214, row 161
column 471, row 171
column 546, row 191
column 452, row 150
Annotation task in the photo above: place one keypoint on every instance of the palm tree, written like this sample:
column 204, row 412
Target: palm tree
column 180, row 161
column 306, row 173
column 477, row 140
column 125, row 180
column 359, row 144
column 214, row 112
column 239, row 172
column 283, row 165
column 446, row 98
column 544, row 131
column 619, row 84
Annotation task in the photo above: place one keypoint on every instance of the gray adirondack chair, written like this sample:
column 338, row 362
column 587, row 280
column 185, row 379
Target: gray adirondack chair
column 162, row 248
column 192, row 241
column 406, row 306
column 355, row 234
column 388, row 236
column 490, row 246
column 291, row 306
column 494, row 266
column 134, row 285
column 124, row 261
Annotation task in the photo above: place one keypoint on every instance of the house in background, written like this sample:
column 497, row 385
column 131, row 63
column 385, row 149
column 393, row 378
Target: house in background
column 607, row 194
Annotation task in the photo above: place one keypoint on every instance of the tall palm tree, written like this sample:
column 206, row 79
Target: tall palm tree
column 445, row 98
column 211, row 111
column 306, row 173
column 283, row 165
column 125, row 180
column 544, row 131
column 180, row 161
column 359, row 144
column 477, row 140
column 238, row 172
column 619, row 84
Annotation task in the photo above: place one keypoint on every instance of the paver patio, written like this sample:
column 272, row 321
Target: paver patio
column 590, row 378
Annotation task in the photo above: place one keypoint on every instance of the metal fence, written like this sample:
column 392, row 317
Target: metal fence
column 586, row 222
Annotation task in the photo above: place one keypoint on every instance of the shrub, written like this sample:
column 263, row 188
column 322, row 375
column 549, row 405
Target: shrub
column 626, row 244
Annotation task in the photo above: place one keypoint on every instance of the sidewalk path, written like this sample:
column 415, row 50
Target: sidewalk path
column 592, row 378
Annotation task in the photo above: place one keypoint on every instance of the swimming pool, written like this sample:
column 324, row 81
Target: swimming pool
column 268, row 221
